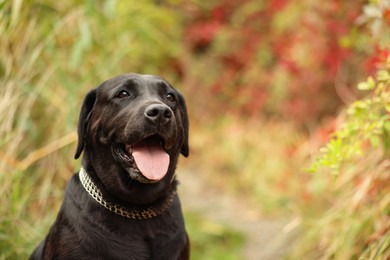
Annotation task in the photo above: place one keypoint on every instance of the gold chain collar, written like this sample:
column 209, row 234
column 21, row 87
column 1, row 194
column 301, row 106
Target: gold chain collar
column 148, row 213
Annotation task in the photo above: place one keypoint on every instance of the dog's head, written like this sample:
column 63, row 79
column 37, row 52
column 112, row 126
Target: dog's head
column 132, row 129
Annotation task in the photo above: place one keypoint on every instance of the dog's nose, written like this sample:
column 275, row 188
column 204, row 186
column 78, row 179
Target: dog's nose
column 158, row 114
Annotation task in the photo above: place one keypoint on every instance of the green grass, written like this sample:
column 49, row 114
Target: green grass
column 52, row 53
column 353, row 172
column 211, row 240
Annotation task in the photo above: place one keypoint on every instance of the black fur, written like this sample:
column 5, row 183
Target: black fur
column 108, row 119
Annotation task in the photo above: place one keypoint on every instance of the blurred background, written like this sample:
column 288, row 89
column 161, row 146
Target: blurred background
column 288, row 104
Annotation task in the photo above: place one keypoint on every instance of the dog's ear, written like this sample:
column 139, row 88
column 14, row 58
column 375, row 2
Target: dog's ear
column 185, row 147
column 85, row 114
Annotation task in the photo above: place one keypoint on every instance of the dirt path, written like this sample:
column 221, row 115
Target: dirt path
column 266, row 238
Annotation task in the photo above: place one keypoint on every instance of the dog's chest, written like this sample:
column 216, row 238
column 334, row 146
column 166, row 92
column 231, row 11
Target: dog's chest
column 99, row 233
column 104, row 241
column 114, row 249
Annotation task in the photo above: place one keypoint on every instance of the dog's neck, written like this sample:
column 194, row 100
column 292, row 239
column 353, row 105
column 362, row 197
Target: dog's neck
column 131, row 213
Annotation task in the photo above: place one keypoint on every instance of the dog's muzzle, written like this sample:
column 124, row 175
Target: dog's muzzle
column 146, row 161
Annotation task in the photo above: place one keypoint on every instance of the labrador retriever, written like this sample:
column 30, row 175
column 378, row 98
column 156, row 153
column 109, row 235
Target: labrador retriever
column 123, row 204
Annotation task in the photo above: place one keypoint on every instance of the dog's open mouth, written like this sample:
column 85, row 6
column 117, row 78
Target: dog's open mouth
column 147, row 161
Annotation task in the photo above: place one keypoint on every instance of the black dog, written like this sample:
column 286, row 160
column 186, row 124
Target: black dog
column 123, row 203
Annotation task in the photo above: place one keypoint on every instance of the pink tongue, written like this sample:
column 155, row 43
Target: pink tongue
column 151, row 160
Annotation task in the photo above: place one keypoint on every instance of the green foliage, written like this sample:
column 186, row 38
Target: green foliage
column 365, row 123
column 210, row 240
column 355, row 224
column 349, row 215
column 52, row 53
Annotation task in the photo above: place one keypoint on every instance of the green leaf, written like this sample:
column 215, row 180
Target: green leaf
column 374, row 141
column 367, row 85
column 383, row 75
column 83, row 43
column 363, row 86
column 386, row 137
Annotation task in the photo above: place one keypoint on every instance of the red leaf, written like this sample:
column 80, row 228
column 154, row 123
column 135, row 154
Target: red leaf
column 386, row 16
column 277, row 5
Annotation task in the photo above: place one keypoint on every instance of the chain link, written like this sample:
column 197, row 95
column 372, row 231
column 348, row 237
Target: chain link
column 148, row 213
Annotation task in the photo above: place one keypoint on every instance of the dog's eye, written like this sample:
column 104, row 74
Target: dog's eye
column 122, row 94
column 171, row 97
